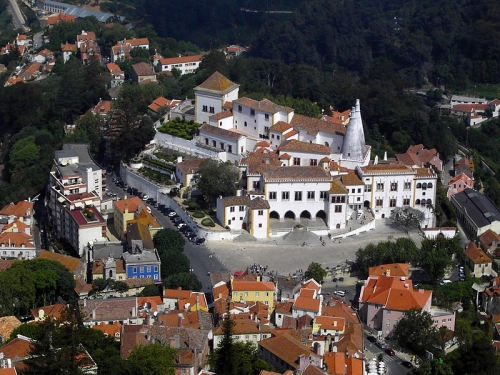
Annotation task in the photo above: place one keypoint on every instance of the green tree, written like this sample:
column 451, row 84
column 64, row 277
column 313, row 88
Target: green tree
column 477, row 357
column 434, row 367
column 173, row 262
column 185, row 280
column 415, row 330
column 215, row 178
column 435, row 257
column 316, row 272
column 153, row 359
column 236, row 357
column 149, row 291
column 169, row 240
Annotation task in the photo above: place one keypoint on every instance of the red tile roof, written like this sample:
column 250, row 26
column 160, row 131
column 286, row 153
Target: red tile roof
column 242, row 285
column 69, row 262
column 305, row 303
column 181, row 59
column 296, row 173
column 190, row 166
column 394, row 270
column 476, row 255
column 51, row 311
column 217, row 83
column 287, row 348
column 130, row 204
column 315, row 125
column 265, row 105
column 18, row 239
column 20, row 209
column 299, row 146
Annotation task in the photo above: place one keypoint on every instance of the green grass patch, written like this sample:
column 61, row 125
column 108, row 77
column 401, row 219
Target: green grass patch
column 160, row 164
column 198, row 214
column 156, row 176
column 208, row 222
column 181, row 128
column 170, row 158
column 483, row 90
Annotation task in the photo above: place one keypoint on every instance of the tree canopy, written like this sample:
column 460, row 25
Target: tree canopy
column 316, row 272
column 407, row 217
column 183, row 280
column 415, row 330
column 215, row 178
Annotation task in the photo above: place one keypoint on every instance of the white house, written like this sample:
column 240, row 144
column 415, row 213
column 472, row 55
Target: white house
column 211, row 96
column 185, row 64
column 388, row 186
column 243, row 212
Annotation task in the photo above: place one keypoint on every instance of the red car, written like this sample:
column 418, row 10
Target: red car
column 390, row 351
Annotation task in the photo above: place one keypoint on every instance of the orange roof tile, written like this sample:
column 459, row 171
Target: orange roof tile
column 176, row 293
column 476, row 255
column 18, row 239
column 308, row 293
column 218, row 83
column 294, row 145
column 7, row 325
column 20, row 209
column 242, row 285
column 111, row 330
column 131, row 204
column 181, row 59
column 69, row 262
column 309, row 304
column 286, row 348
column 312, row 284
column 50, row 311
column 17, row 226
column 330, row 323
column 394, row 269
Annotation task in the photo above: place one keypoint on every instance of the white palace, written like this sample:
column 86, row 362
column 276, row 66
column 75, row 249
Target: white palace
column 299, row 167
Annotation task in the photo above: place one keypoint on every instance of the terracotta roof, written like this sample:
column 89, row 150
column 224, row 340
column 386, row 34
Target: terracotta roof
column 299, row 146
column 468, row 108
column 461, row 177
column 289, row 322
column 309, row 304
column 113, row 68
column 337, row 308
column 18, row 239
column 312, row 284
column 290, row 133
column 8, row 371
column 16, row 349
column 330, row 323
column 132, row 204
column 287, row 348
column 17, row 226
column 220, row 290
column 111, row 330
column 50, row 311
column 264, row 372
column 259, row 204
column 103, row 107
column 242, row 285
column 219, row 132
column 98, row 266
column 336, row 187
column 394, row 270
column 285, row 156
column 265, row 105
column 476, row 255
column 259, row 162
column 143, row 69
column 280, row 126
column 424, row 172
column 351, row 179
column 52, row 20
column 86, row 35
column 336, row 362
column 66, row 47
column 394, row 294
column 465, row 162
column 314, row 125
column 245, row 326
column 181, row 59
column 236, row 201
column 4, row 264
column 20, row 209
column 296, row 173
column 176, row 293
column 308, row 293
column 217, row 83
column 488, row 237
column 137, row 283
column 190, row 166
column 222, row 115
column 109, row 309
column 136, row 41
column 131, row 336
column 7, row 325
column 69, row 262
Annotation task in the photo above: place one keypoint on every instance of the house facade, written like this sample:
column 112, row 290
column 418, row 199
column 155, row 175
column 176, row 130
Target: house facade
column 185, row 64
column 477, row 261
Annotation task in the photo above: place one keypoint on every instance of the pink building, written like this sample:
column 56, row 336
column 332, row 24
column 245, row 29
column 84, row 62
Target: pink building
column 459, row 183
column 384, row 299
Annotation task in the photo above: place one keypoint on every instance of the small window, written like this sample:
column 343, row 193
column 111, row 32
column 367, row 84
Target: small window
column 298, row 195
column 272, row 195
column 205, row 108
column 239, row 110
column 266, row 117
column 252, row 112
column 261, row 212
column 285, row 195
column 231, row 209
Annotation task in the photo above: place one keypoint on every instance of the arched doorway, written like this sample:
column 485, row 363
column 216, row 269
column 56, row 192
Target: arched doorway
column 274, row 215
column 367, row 204
column 290, row 215
column 244, row 226
column 305, row 215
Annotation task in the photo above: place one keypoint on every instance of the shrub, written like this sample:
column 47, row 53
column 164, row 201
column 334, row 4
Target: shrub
column 198, row 214
column 208, row 222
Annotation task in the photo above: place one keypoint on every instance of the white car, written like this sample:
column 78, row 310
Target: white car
column 340, row 293
column 145, row 197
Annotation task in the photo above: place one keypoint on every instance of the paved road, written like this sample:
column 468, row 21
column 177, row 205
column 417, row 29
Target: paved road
column 17, row 17
column 393, row 363
column 197, row 254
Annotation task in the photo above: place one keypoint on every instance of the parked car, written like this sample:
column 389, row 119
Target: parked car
column 189, row 233
column 390, row 351
column 149, row 200
column 341, row 279
column 340, row 293
column 145, row 197
column 177, row 220
column 181, row 224
column 171, row 214
column 199, row 241
column 335, row 279
column 407, row 364
column 371, row 338
column 381, row 345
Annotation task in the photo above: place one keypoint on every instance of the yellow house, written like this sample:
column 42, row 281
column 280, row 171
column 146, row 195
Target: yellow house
column 244, row 290
column 124, row 210
column 324, row 325
column 109, row 269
